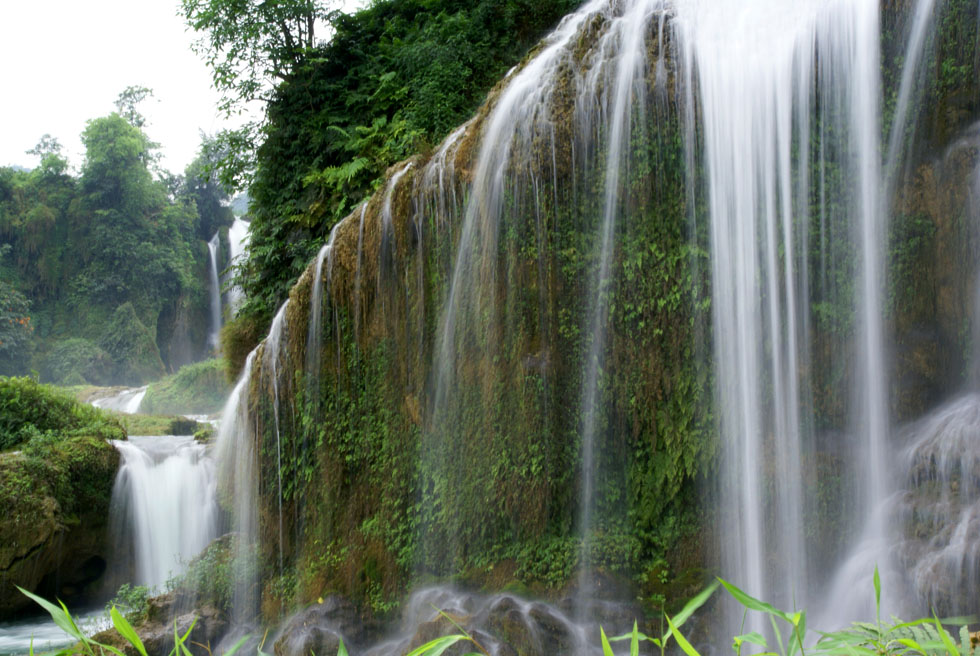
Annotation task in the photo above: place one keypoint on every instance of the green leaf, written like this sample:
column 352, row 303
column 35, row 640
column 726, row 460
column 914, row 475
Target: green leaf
column 437, row 646
column 950, row 647
column 61, row 617
column 635, row 641
column 241, row 641
column 681, row 640
column 606, row 648
column 877, row 583
column 752, row 603
column 126, row 630
column 341, row 650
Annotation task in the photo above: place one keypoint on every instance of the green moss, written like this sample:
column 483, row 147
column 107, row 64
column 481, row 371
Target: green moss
column 199, row 388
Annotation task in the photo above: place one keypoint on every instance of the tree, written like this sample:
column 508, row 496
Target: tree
column 115, row 170
column 201, row 183
column 48, row 148
column 127, row 101
column 250, row 43
column 15, row 326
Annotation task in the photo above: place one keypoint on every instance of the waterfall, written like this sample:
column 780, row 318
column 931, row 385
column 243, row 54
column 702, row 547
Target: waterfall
column 164, row 510
column 623, row 45
column 754, row 66
column 271, row 354
column 519, row 117
column 127, row 400
column 238, row 480
column 214, row 286
column 940, row 507
column 237, row 243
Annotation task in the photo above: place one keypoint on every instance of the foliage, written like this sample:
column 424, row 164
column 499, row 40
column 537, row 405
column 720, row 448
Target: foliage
column 150, row 425
column 76, row 361
column 132, row 348
column 15, row 325
column 211, row 575
column 394, row 79
column 80, row 246
column 90, row 647
column 29, row 410
column 199, row 388
column 131, row 600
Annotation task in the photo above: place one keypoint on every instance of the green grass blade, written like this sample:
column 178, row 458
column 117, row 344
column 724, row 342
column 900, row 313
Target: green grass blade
column 877, row 584
column 606, row 648
column 681, row 640
column 126, row 630
column 61, row 617
column 779, row 637
column 950, row 647
column 752, row 603
column 241, row 641
column 635, row 641
column 437, row 646
column 341, row 650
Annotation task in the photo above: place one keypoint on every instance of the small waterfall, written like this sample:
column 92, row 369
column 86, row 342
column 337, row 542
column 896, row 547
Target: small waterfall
column 215, row 291
column 939, row 510
column 127, row 401
column 237, row 480
column 271, row 354
column 623, row 45
column 237, row 243
column 470, row 314
column 164, row 511
column 314, row 332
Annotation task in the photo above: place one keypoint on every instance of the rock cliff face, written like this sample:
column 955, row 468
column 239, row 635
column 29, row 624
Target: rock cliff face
column 420, row 410
column 53, row 537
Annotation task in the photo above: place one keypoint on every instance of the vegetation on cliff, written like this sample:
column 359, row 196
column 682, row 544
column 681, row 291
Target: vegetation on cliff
column 393, row 80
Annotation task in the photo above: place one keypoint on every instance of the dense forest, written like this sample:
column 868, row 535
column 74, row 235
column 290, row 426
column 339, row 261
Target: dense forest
column 103, row 272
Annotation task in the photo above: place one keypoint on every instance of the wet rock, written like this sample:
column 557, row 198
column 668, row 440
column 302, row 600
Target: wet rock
column 319, row 629
column 157, row 630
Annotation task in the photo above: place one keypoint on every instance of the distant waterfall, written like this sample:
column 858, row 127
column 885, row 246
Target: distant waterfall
column 128, row 400
column 164, row 510
column 214, row 286
column 237, row 243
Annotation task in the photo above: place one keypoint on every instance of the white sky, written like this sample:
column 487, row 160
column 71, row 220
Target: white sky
column 65, row 62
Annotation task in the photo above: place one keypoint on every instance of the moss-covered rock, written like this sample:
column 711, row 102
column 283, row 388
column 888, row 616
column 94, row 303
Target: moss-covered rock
column 53, row 534
column 55, row 492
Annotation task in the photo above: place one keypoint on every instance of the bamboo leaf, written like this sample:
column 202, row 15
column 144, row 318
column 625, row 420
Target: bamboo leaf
column 681, row 640
column 126, row 630
column 437, row 646
column 606, row 648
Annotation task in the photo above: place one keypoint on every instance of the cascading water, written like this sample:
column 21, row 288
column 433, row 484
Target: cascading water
column 623, row 47
column 755, row 65
column 164, row 511
column 214, row 287
column 128, row 400
column 237, row 479
column 939, row 510
column 780, row 107
column 237, row 243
